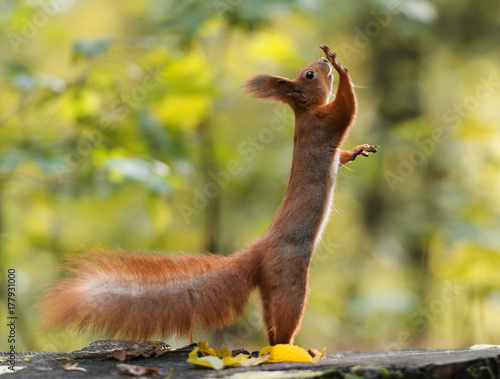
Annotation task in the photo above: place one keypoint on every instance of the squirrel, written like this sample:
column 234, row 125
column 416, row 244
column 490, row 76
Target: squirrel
column 139, row 296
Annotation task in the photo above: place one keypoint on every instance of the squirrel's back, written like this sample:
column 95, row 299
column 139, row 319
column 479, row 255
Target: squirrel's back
column 144, row 295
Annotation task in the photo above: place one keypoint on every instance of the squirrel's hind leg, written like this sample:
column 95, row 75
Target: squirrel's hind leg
column 267, row 317
column 290, row 312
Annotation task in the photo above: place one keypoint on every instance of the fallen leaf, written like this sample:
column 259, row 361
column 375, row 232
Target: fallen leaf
column 251, row 362
column 207, row 350
column 138, row 349
column 11, row 369
column 317, row 355
column 285, row 353
column 225, row 352
column 121, row 355
column 234, row 361
column 218, row 363
column 206, row 361
column 73, row 367
column 136, row 370
column 278, row 353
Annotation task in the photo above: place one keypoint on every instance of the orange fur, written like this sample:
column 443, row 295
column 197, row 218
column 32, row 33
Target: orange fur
column 139, row 296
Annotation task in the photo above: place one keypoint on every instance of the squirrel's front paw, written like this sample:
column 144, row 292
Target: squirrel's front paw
column 347, row 156
column 364, row 150
column 332, row 57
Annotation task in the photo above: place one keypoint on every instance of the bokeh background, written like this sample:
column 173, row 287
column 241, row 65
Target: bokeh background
column 123, row 125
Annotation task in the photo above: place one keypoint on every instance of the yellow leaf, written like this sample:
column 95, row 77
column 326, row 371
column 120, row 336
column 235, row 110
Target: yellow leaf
column 225, row 352
column 207, row 350
column 208, row 361
column 251, row 361
column 217, row 363
column 278, row 353
column 319, row 356
column 285, row 353
column 230, row 361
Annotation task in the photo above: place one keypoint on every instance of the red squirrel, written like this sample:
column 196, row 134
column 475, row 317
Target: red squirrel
column 145, row 295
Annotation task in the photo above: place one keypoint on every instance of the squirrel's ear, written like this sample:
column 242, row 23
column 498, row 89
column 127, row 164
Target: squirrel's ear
column 269, row 87
column 285, row 86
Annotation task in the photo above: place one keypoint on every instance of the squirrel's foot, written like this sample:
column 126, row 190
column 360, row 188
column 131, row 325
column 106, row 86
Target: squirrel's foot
column 332, row 57
column 347, row 156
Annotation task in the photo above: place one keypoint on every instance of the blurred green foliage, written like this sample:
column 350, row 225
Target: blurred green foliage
column 122, row 124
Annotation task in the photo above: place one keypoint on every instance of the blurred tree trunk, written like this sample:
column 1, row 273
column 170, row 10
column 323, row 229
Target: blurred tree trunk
column 208, row 164
column 405, row 60
column 390, row 115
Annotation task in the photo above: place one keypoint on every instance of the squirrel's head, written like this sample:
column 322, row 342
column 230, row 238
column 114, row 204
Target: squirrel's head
column 310, row 88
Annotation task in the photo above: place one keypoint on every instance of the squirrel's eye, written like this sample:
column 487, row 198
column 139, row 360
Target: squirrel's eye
column 310, row 75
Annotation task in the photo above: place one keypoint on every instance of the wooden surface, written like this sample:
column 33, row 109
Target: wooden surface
column 380, row 364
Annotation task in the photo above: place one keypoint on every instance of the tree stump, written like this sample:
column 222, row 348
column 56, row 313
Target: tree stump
column 98, row 362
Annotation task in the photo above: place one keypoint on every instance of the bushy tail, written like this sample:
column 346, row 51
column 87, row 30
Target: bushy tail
column 141, row 296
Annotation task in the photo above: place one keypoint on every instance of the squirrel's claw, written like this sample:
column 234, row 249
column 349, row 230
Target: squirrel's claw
column 332, row 57
column 327, row 51
column 364, row 150
column 347, row 156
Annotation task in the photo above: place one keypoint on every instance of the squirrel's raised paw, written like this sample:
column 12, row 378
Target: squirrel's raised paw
column 347, row 156
column 332, row 57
